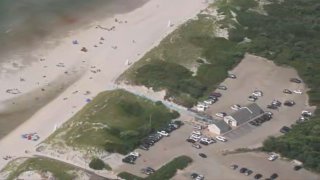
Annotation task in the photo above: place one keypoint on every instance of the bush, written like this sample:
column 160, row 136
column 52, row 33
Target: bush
column 97, row 164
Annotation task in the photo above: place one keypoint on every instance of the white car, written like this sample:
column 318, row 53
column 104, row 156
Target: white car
column 221, row 138
column 200, row 177
column 272, row 157
column 306, row 113
column 135, row 153
column 257, row 93
column 221, row 114
column 196, row 133
column 163, row 133
column 195, row 137
column 203, row 104
column 235, row 107
column 297, row 91
column 208, row 101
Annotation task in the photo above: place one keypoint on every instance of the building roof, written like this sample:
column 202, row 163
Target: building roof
column 247, row 113
column 223, row 126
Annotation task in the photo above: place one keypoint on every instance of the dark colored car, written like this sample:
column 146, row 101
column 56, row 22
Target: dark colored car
column 234, row 166
column 194, row 175
column 243, row 170
column 287, row 91
column 289, row 103
column 274, row 176
column 295, row 80
column 272, row 106
column 216, row 94
column 276, row 103
column 285, row 129
column 297, row 168
column 190, row 140
column 202, row 155
column 257, row 176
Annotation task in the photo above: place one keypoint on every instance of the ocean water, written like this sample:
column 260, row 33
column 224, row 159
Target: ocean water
column 25, row 23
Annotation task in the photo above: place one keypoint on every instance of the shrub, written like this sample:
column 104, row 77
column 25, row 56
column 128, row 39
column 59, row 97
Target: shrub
column 97, row 164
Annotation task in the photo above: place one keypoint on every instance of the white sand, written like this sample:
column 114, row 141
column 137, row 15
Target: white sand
column 146, row 26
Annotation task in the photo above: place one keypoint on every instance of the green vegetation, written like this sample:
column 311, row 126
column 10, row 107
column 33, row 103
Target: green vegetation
column 98, row 164
column 188, row 63
column 287, row 32
column 114, row 121
column 166, row 172
column 59, row 170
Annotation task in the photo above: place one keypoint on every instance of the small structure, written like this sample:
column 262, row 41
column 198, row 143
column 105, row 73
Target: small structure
column 244, row 114
column 219, row 127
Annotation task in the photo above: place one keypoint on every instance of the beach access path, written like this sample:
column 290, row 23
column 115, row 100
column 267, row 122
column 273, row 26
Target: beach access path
column 138, row 32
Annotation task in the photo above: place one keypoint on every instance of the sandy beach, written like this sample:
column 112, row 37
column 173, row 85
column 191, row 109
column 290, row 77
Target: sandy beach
column 108, row 48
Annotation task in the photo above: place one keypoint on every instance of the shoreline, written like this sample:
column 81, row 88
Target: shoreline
column 145, row 28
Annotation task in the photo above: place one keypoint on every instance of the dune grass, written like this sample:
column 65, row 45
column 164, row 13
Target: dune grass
column 188, row 63
column 115, row 121
column 59, row 170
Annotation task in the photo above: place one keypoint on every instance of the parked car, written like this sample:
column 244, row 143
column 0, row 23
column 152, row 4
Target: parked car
column 252, row 98
column 222, row 87
column 196, row 133
column 297, row 91
column 287, row 91
column 144, row 147
column 191, row 140
column 235, row 107
column 257, row 176
column 295, row 80
column 248, row 172
column 221, row 138
column 135, row 153
column 276, row 103
column 274, row 176
column 272, row 157
column 216, row 94
column 297, row 168
column 197, row 146
column 200, row 177
column 268, row 113
column 272, row 106
column 285, row 129
column 305, row 113
column 209, row 101
column 221, row 114
column 257, row 93
column 243, row 170
column 289, row 103
column 234, row 166
column 202, row 155
column 232, row 76
column 163, row 133
column 194, row 175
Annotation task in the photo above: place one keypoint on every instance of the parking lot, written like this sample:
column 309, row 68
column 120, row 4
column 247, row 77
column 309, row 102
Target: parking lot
column 252, row 73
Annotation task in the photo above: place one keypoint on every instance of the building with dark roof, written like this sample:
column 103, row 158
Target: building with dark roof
column 244, row 114
column 214, row 125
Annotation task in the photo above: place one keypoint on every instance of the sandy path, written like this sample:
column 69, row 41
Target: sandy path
column 145, row 27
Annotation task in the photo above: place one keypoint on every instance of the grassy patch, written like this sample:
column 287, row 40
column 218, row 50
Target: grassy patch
column 289, row 34
column 59, row 170
column 188, row 63
column 166, row 172
column 115, row 121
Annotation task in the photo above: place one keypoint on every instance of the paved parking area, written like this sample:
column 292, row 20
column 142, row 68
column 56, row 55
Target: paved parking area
column 252, row 73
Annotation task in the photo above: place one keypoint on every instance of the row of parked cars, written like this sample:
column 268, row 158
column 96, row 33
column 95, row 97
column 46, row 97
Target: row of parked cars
column 267, row 116
column 248, row 172
column 149, row 141
column 131, row 158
